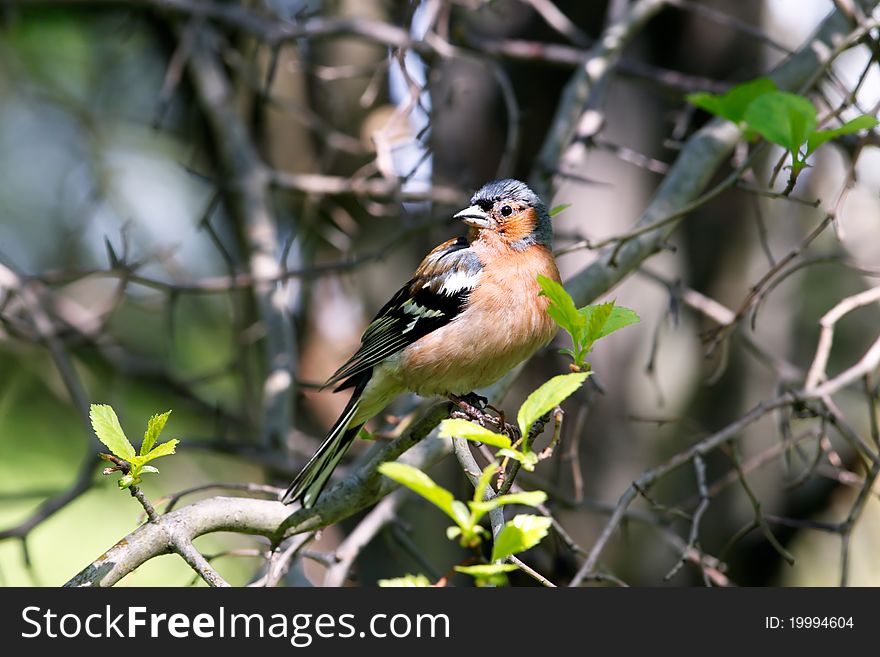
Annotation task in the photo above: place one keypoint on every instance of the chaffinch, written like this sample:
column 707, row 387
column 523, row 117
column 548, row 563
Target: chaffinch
column 470, row 313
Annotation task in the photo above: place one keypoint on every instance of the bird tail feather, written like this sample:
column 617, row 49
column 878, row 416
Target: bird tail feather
column 311, row 480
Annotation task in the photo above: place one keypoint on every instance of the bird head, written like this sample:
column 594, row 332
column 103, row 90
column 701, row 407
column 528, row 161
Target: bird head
column 511, row 211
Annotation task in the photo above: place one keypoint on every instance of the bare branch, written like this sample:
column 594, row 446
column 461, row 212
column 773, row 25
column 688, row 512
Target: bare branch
column 577, row 116
column 699, row 160
column 380, row 516
column 817, row 372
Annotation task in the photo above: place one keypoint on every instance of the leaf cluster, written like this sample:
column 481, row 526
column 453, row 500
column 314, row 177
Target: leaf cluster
column 106, row 426
column 782, row 118
column 585, row 325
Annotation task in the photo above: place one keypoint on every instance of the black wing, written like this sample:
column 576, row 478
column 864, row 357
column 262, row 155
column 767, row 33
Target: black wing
column 437, row 294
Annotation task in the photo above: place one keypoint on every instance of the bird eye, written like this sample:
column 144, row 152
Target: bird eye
column 506, row 211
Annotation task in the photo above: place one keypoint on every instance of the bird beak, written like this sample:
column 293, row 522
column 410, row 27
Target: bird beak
column 475, row 216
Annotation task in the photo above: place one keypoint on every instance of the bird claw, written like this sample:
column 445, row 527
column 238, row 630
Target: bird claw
column 476, row 400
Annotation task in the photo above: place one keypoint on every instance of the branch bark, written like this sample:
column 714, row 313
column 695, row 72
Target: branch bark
column 266, row 517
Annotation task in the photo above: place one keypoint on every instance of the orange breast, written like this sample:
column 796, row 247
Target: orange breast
column 504, row 323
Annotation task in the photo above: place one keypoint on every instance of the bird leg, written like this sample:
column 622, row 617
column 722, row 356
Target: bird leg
column 477, row 401
column 473, row 407
column 470, row 403
column 499, row 412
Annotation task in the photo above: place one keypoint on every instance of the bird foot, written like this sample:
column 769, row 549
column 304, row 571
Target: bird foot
column 475, row 400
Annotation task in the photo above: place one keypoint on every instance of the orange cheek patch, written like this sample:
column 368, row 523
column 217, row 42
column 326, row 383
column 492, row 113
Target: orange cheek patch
column 519, row 225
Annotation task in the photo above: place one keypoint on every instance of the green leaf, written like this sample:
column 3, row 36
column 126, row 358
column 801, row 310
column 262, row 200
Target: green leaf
column 528, row 459
column 419, row 482
column 107, row 428
column 459, row 428
column 733, row 105
column 819, row 137
column 619, row 318
column 138, row 463
column 488, row 574
column 555, row 210
column 562, row 309
column 165, row 449
column 149, row 468
column 487, row 569
column 363, row 434
column 527, row 498
column 460, row 511
column 407, row 581
column 520, row 534
column 782, row 118
column 128, row 480
column 547, row 397
column 483, row 482
column 154, row 428
column 595, row 318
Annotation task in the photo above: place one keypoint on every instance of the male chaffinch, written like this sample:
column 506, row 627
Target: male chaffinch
column 470, row 313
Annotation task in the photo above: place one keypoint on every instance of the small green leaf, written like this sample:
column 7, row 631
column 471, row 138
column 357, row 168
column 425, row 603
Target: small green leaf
column 419, row 482
column 733, row 105
column 527, row 459
column 138, row 463
column 562, row 309
column 526, row 498
column 460, row 511
column 559, row 209
column 483, row 482
column 154, row 428
column 363, row 434
column 619, row 318
column 164, row 449
column 819, row 137
column 488, row 574
column 407, row 581
column 127, row 480
column 107, row 428
column 459, row 428
column 453, row 532
column 487, row 569
column 520, row 534
column 547, row 397
column 782, row 118
column 149, row 468
column 595, row 318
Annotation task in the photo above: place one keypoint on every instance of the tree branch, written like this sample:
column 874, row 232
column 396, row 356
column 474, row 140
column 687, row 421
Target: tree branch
column 696, row 165
column 265, row 517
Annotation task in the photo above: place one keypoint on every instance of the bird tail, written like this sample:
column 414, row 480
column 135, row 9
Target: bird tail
column 308, row 484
